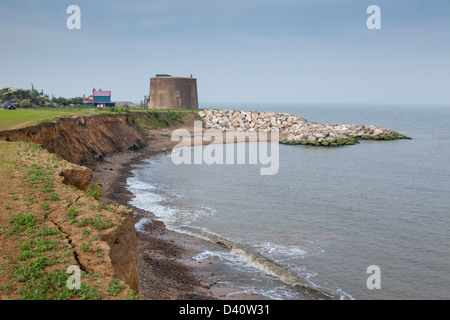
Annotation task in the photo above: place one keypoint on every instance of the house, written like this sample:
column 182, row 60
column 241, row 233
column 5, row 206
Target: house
column 98, row 99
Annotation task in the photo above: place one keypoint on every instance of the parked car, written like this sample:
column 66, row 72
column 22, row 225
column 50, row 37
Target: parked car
column 9, row 106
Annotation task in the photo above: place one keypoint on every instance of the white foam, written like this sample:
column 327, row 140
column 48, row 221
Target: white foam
column 343, row 295
column 277, row 249
column 139, row 226
column 150, row 202
column 161, row 203
column 220, row 255
column 274, row 293
column 265, row 256
column 134, row 184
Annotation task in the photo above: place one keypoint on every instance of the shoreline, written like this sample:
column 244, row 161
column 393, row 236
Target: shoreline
column 163, row 260
column 166, row 268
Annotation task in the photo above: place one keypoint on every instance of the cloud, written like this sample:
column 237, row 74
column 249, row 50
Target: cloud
column 258, row 49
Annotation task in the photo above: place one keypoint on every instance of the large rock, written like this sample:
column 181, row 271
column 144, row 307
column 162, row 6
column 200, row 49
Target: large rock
column 78, row 176
column 377, row 132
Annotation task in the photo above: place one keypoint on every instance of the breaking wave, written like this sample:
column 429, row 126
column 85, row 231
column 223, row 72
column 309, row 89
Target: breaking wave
column 155, row 199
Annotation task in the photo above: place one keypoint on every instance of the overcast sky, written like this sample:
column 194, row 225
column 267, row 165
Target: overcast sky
column 285, row 51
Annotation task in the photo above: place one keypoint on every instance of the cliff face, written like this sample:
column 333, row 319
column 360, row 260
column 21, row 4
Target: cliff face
column 83, row 140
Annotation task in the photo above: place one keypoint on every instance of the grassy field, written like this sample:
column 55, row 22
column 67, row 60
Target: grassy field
column 15, row 119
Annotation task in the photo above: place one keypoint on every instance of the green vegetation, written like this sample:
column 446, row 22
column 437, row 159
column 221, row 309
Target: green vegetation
column 155, row 119
column 392, row 136
column 72, row 213
column 85, row 247
column 98, row 222
column 28, row 117
column 113, row 287
column 349, row 140
column 35, row 230
column 52, row 196
column 94, row 190
column 147, row 119
column 8, row 160
column 27, row 98
column 37, row 251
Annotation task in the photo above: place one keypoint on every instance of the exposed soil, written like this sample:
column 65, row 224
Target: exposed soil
column 84, row 140
column 40, row 221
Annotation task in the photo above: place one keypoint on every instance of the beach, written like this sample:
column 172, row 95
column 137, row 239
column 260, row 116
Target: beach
column 165, row 265
column 326, row 216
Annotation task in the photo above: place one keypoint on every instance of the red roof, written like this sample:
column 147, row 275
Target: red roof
column 102, row 93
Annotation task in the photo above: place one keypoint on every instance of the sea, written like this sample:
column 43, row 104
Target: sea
column 366, row 221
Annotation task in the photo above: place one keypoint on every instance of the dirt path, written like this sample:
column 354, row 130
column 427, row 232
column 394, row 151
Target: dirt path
column 20, row 125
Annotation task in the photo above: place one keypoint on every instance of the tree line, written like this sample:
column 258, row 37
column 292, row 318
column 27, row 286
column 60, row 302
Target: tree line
column 31, row 98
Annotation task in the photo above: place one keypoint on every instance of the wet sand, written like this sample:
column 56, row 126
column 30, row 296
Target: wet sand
column 166, row 266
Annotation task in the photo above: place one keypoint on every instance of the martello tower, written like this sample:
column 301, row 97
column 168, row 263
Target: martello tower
column 167, row 92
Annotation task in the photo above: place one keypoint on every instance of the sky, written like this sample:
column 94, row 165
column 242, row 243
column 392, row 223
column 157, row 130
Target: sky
column 249, row 51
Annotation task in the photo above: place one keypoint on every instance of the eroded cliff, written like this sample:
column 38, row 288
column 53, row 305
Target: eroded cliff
column 83, row 140
column 101, row 236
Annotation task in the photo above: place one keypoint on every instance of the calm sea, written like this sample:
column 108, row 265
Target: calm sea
column 313, row 229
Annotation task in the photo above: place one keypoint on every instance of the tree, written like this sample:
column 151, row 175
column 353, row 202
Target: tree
column 75, row 101
column 15, row 94
column 32, row 97
column 25, row 104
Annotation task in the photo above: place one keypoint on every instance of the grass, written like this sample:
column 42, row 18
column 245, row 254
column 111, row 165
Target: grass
column 8, row 159
column 27, row 117
column 155, row 119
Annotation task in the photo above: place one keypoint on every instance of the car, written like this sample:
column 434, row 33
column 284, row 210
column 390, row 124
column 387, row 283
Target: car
column 9, row 106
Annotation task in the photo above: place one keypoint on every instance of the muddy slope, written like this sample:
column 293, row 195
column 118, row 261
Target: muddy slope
column 84, row 140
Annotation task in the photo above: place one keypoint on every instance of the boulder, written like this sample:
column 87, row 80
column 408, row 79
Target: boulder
column 78, row 176
column 377, row 132
column 320, row 136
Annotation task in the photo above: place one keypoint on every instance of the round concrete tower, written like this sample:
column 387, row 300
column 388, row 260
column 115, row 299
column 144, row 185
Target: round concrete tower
column 167, row 92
